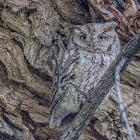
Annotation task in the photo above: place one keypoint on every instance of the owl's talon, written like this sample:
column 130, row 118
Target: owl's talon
column 89, row 100
column 86, row 95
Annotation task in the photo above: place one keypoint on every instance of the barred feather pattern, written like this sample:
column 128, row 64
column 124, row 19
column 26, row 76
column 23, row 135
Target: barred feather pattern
column 84, row 66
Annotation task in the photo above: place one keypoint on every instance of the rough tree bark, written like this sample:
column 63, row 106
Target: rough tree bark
column 27, row 29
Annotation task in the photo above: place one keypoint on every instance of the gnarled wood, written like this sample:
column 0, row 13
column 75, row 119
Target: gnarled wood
column 27, row 29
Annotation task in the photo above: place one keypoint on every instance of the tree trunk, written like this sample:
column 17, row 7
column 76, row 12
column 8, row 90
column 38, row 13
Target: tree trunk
column 27, row 30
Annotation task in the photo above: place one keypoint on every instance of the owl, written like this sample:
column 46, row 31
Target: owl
column 91, row 50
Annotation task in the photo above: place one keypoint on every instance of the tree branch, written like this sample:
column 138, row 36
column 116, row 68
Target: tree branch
column 100, row 91
column 119, row 96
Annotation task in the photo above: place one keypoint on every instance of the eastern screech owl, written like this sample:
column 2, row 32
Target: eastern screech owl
column 91, row 50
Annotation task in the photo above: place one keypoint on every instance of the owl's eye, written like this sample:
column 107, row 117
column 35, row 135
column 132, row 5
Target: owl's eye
column 83, row 37
column 101, row 37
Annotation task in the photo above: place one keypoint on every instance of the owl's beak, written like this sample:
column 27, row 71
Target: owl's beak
column 91, row 45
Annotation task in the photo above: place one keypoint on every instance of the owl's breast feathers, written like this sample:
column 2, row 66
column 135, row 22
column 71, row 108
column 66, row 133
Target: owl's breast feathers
column 84, row 69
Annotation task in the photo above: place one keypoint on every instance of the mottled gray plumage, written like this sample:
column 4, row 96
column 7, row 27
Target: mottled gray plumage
column 92, row 48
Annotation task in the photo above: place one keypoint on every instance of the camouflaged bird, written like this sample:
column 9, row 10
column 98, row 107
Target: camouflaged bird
column 92, row 49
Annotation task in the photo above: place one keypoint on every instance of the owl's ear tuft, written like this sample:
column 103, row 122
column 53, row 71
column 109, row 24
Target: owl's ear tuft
column 110, row 26
column 76, row 29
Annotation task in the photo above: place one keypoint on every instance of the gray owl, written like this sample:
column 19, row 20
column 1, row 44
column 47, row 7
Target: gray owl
column 91, row 50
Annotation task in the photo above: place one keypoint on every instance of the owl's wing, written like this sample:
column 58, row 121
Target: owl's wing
column 57, row 97
column 70, row 65
column 68, row 69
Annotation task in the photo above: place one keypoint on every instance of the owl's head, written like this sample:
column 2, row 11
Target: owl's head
column 95, row 37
